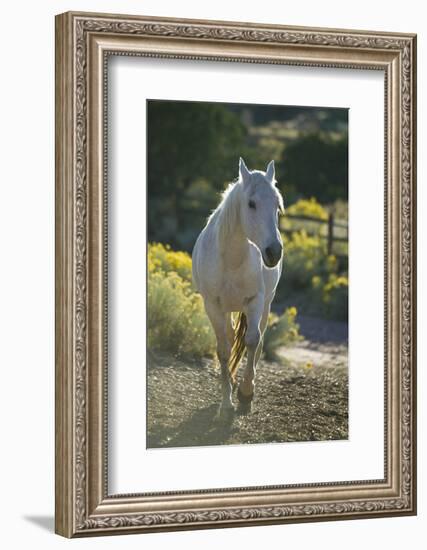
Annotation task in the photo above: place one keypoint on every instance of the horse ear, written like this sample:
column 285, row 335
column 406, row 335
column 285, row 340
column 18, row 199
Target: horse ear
column 270, row 172
column 243, row 169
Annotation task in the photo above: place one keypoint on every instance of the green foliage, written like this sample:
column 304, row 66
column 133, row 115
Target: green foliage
column 197, row 201
column 282, row 330
column 340, row 209
column 192, row 153
column 193, row 150
column 290, row 117
column 177, row 321
column 332, row 295
column 312, row 278
column 336, row 297
column 187, row 141
column 317, row 165
column 305, row 257
column 176, row 318
column 163, row 258
column 308, row 207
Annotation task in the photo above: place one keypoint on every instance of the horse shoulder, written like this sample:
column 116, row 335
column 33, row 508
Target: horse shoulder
column 255, row 263
column 250, row 274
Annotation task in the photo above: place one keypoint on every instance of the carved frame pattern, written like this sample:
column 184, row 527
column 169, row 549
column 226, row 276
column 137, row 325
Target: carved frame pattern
column 82, row 505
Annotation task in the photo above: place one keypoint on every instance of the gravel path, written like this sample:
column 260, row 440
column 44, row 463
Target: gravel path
column 301, row 397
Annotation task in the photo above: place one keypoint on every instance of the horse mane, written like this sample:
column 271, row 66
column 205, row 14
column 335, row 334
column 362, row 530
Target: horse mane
column 226, row 213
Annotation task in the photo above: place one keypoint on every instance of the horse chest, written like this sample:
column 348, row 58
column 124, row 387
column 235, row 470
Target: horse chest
column 236, row 290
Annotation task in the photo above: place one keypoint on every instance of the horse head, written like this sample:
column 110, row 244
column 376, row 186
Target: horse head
column 259, row 213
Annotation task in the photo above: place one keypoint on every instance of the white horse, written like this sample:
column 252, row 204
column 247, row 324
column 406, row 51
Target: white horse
column 237, row 263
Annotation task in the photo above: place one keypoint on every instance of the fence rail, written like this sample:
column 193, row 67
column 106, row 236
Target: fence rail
column 330, row 223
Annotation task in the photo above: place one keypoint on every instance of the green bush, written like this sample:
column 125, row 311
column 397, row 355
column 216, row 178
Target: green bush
column 308, row 207
column 296, row 214
column 177, row 321
column 332, row 296
column 316, row 164
column 340, row 209
column 281, row 331
column 162, row 258
column 304, row 257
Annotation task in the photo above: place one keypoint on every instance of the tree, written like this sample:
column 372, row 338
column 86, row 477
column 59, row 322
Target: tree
column 188, row 141
column 316, row 165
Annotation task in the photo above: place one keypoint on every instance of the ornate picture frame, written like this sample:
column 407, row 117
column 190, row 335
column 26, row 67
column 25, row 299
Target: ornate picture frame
column 83, row 43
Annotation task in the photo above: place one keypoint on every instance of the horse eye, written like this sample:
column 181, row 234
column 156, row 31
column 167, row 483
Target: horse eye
column 252, row 205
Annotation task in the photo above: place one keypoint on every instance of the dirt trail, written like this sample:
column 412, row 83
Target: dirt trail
column 300, row 397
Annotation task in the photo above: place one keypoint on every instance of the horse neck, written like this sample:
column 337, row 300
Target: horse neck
column 233, row 243
column 237, row 249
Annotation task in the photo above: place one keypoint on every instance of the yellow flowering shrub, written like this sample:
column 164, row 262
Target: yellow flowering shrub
column 304, row 257
column 177, row 321
column 308, row 270
column 281, row 331
column 303, row 215
column 162, row 258
column 335, row 296
column 332, row 293
column 308, row 207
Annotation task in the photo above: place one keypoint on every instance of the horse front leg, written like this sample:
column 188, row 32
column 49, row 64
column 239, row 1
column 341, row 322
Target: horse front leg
column 262, row 327
column 221, row 323
column 253, row 341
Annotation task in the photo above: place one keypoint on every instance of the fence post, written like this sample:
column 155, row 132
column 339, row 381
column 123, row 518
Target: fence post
column 330, row 232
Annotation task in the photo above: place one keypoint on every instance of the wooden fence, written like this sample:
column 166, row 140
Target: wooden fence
column 335, row 231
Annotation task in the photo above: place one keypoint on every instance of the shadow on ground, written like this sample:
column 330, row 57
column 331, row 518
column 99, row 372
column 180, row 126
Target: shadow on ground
column 201, row 428
column 301, row 397
column 44, row 522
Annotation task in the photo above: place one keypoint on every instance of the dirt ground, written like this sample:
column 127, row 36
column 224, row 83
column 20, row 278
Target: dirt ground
column 303, row 396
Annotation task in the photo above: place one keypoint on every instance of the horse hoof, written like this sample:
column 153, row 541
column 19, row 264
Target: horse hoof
column 245, row 402
column 244, row 399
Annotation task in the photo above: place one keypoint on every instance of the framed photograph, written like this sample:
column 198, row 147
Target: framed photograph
column 235, row 274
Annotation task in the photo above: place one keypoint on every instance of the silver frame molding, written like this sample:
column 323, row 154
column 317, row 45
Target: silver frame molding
column 83, row 43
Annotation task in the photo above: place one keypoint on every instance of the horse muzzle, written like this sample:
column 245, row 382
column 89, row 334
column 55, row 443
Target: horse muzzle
column 272, row 254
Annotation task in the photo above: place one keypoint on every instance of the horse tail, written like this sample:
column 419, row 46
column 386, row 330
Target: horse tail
column 238, row 348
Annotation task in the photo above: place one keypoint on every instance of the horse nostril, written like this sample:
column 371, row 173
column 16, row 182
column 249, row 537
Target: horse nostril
column 269, row 253
column 273, row 253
